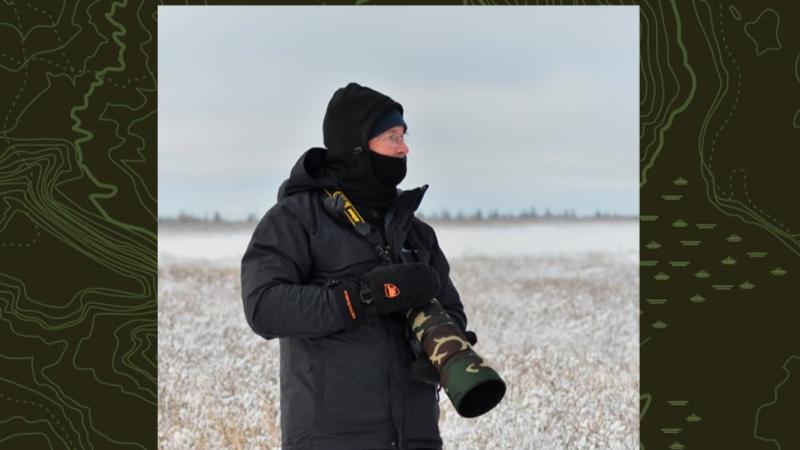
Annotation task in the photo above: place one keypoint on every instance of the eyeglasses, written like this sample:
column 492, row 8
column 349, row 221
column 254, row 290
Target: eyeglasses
column 395, row 139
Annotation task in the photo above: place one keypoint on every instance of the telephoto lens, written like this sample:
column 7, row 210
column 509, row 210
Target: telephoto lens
column 473, row 387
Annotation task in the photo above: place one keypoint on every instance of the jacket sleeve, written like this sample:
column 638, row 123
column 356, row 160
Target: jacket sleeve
column 448, row 296
column 276, row 267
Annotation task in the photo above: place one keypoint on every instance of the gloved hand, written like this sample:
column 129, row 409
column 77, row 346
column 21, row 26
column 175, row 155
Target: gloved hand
column 394, row 288
column 400, row 287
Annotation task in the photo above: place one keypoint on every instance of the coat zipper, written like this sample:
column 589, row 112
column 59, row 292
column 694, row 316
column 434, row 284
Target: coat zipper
column 389, row 257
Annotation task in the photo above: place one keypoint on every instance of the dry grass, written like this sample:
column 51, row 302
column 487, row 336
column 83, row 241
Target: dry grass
column 563, row 332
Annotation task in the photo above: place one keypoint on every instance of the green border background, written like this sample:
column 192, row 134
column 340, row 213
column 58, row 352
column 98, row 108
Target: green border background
column 720, row 230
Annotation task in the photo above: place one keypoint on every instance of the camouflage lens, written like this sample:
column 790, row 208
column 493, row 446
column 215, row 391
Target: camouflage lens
column 473, row 387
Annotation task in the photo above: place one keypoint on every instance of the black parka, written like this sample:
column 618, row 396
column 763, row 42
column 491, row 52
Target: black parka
column 341, row 389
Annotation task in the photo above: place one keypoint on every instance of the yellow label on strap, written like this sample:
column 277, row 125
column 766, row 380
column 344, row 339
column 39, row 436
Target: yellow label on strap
column 350, row 211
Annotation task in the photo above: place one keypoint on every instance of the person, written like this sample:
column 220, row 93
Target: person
column 331, row 269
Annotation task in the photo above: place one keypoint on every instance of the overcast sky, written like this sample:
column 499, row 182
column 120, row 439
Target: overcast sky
column 507, row 107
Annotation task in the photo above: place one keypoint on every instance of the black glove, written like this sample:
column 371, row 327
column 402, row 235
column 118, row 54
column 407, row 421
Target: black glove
column 395, row 288
column 400, row 287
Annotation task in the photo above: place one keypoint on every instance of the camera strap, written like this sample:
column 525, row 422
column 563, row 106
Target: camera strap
column 338, row 202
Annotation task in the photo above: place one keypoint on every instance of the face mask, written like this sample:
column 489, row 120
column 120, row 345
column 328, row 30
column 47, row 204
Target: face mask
column 388, row 170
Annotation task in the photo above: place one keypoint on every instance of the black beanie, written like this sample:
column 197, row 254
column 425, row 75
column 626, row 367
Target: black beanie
column 391, row 119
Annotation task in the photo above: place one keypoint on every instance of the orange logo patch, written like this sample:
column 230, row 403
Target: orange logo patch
column 390, row 290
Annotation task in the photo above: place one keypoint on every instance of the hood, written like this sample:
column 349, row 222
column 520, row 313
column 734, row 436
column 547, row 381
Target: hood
column 309, row 173
column 351, row 113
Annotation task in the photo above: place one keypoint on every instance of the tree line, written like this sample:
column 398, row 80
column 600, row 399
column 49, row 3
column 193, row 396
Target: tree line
column 443, row 215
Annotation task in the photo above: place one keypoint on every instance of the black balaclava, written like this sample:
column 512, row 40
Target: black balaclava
column 368, row 179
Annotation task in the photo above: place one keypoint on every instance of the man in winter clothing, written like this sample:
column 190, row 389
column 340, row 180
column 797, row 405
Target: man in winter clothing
column 333, row 278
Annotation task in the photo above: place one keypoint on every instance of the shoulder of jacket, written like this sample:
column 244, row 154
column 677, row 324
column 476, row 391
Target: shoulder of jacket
column 421, row 224
column 425, row 230
column 299, row 200
column 297, row 207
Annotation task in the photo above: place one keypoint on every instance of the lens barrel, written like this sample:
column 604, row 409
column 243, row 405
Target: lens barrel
column 473, row 387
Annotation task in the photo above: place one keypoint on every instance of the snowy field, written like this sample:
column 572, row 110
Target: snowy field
column 554, row 304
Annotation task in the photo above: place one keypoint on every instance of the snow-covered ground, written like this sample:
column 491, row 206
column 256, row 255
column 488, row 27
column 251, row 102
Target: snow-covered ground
column 554, row 304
